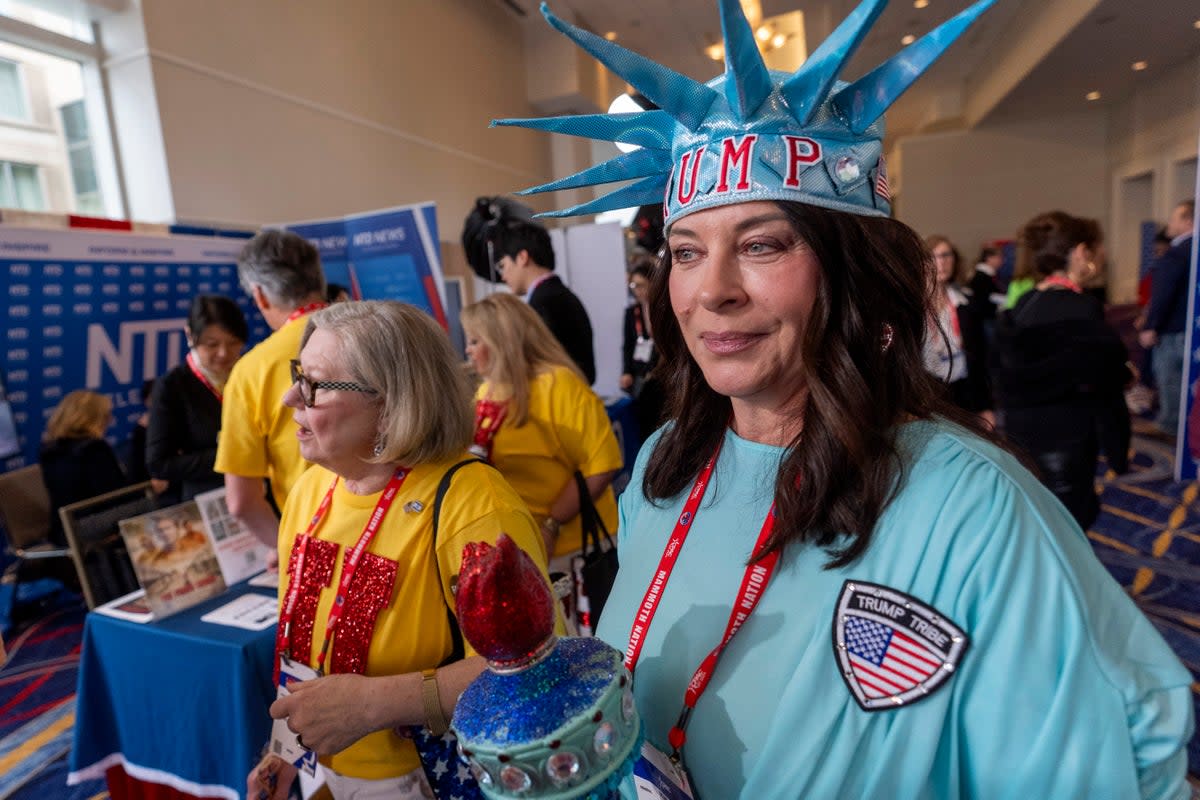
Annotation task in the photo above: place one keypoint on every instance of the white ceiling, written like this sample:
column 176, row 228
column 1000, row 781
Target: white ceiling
column 1093, row 51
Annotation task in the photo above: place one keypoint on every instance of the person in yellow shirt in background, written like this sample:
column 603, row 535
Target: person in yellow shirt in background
column 539, row 422
column 282, row 273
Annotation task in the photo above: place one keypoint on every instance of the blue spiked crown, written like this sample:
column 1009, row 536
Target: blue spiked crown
column 751, row 133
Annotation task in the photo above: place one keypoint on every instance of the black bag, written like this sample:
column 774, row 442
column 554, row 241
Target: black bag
column 596, row 568
column 439, row 754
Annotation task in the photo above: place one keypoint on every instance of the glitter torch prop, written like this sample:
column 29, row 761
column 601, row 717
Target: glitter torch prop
column 551, row 717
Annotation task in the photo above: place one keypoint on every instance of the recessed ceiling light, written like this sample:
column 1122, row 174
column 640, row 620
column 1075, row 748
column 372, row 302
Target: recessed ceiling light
column 611, row 36
column 778, row 40
column 715, row 51
column 1138, row 66
column 763, row 33
column 1196, row 24
column 1093, row 95
column 920, row 3
column 908, row 39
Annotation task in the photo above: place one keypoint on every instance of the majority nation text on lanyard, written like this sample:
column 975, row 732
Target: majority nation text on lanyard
column 754, row 583
column 349, row 564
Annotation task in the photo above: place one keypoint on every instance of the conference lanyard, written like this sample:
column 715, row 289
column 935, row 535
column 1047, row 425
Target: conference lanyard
column 349, row 563
column 637, row 321
column 754, row 583
column 200, row 376
column 1066, row 283
column 302, row 310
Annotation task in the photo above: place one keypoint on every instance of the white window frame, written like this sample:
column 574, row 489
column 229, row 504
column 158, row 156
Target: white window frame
column 96, row 102
column 39, row 173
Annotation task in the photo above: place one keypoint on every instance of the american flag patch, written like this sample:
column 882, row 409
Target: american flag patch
column 891, row 648
column 881, row 181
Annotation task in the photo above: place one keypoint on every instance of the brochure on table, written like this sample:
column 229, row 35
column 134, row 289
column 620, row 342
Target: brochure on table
column 173, row 558
column 238, row 552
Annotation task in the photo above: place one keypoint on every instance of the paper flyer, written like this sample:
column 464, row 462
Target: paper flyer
column 238, row 552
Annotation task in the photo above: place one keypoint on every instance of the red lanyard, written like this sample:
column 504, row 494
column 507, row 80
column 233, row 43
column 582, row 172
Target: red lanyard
column 349, row 563
column 754, row 583
column 200, row 376
column 637, row 320
column 1066, row 283
column 302, row 310
column 935, row 324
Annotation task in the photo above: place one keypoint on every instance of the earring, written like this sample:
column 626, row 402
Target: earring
column 378, row 449
column 888, row 335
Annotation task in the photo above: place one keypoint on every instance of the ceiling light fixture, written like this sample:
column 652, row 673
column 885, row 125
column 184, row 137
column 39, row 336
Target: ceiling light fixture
column 1138, row 66
column 920, row 3
column 778, row 40
column 763, row 33
column 715, row 51
column 611, row 36
column 1093, row 95
column 1196, row 24
column 907, row 39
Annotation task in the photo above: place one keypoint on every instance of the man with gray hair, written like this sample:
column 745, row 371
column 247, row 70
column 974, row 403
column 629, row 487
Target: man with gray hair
column 282, row 273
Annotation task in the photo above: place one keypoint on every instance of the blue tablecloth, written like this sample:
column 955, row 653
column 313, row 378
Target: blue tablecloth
column 178, row 701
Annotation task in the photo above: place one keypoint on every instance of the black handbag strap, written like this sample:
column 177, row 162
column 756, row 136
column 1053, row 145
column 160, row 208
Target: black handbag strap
column 459, row 650
column 591, row 525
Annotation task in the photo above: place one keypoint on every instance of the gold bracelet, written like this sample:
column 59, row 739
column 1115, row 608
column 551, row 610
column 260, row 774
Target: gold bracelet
column 435, row 717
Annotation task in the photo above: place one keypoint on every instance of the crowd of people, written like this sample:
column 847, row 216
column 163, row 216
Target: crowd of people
column 853, row 559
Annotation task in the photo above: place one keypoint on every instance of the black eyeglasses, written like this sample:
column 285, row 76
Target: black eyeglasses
column 308, row 388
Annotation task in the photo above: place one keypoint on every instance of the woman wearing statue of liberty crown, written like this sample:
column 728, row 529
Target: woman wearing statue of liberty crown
column 833, row 584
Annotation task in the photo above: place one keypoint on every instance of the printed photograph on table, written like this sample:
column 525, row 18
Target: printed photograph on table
column 239, row 554
column 173, row 558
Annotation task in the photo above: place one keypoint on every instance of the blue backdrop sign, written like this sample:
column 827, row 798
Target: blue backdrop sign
column 383, row 255
column 98, row 311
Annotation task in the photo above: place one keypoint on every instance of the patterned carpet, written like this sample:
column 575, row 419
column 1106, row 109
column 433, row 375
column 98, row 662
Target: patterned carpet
column 1148, row 536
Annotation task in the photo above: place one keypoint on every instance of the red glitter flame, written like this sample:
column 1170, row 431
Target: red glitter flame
column 503, row 602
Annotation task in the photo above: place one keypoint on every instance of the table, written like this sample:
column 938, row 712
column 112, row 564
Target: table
column 173, row 706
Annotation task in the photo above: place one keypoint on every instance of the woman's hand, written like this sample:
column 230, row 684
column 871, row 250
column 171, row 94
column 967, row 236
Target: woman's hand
column 626, row 381
column 270, row 780
column 329, row 713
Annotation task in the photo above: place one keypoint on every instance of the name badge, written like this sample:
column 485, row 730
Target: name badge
column 656, row 777
column 284, row 743
column 643, row 350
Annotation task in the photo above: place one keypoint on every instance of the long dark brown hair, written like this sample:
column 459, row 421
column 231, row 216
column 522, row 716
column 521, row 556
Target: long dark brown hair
column 873, row 276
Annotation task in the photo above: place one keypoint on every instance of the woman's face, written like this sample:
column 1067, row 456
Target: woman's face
column 640, row 286
column 341, row 428
column 218, row 349
column 478, row 353
column 742, row 286
column 943, row 262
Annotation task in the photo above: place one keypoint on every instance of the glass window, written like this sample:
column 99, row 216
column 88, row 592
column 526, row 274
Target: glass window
column 65, row 17
column 20, row 187
column 12, row 91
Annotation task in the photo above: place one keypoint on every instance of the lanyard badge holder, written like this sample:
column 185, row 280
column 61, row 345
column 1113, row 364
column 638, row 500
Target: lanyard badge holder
column 284, row 742
column 656, row 775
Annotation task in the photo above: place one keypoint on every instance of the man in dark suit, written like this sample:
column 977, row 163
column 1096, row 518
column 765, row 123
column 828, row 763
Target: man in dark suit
column 525, row 261
column 1166, row 316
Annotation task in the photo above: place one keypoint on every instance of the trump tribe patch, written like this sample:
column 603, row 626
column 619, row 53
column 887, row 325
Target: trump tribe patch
column 891, row 648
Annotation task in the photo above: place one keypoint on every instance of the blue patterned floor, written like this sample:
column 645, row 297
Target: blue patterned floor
column 1148, row 536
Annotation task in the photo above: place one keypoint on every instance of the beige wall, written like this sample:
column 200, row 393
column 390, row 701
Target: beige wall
column 983, row 184
column 277, row 111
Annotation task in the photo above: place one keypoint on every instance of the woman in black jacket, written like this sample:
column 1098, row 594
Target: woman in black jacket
column 77, row 463
column 1060, row 370
column 185, row 408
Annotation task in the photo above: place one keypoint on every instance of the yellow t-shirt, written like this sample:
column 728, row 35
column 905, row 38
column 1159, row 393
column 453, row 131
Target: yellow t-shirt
column 402, row 612
column 567, row 430
column 258, row 435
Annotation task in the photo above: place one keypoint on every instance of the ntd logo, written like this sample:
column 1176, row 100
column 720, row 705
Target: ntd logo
column 119, row 357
